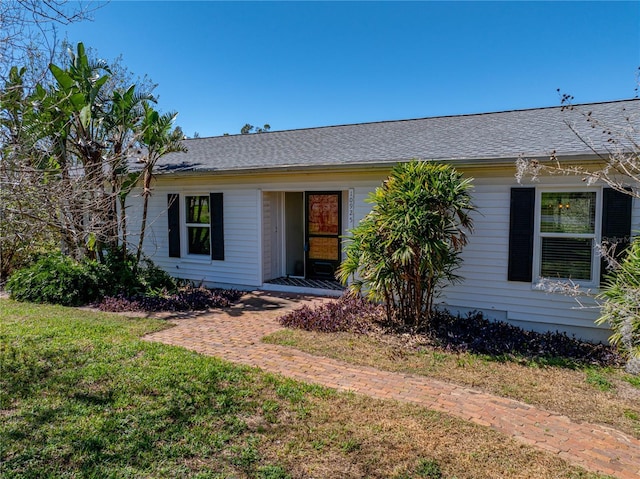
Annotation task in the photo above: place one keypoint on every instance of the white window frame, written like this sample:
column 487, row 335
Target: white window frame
column 596, row 236
column 185, row 228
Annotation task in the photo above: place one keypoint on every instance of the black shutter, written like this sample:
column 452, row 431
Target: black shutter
column 173, row 213
column 217, row 226
column 521, row 234
column 616, row 222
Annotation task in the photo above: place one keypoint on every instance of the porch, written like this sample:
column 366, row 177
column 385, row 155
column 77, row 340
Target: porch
column 301, row 239
column 325, row 287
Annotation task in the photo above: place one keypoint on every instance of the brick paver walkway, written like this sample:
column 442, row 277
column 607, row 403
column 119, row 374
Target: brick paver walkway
column 236, row 335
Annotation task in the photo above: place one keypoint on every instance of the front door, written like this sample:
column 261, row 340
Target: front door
column 323, row 229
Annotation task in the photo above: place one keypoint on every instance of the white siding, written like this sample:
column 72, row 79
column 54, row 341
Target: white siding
column 248, row 243
column 485, row 286
column 241, row 235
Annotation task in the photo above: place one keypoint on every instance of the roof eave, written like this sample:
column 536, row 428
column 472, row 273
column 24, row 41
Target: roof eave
column 379, row 165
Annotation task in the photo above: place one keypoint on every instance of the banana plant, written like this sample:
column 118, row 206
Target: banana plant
column 124, row 121
column 157, row 139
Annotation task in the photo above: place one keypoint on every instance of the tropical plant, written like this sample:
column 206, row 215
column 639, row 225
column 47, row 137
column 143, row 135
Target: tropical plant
column 123, row 119
column 409, row 245
column 21, row 235
column 65, row 151
column 621, row 307
column 157, row 139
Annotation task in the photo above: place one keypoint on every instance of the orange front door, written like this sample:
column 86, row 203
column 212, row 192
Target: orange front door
column 323, row 230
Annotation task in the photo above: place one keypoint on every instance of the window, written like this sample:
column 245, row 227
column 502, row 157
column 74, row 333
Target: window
column 198, row 225
column 202, row 225
column 567, row 232
column 554, row 233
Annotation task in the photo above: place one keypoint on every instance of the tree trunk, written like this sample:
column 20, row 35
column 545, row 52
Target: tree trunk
column 146, row 192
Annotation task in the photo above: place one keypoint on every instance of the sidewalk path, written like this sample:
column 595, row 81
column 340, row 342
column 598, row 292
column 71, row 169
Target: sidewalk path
column 235, row 335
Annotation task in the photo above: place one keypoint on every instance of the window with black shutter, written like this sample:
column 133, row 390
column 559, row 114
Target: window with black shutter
column 616, row 223
column 217, row 226
column 202, row 225
column 554, row 234
column 522, row 213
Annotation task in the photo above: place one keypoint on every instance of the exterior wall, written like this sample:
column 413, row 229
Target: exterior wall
column 485, row 286
column 248, row 211
column 242, row 266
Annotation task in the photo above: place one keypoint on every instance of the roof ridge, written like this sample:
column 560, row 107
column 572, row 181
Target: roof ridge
column 462, row 115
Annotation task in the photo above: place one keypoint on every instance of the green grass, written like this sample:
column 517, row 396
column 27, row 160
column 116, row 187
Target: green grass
column 82, row 396
column 633, row 380
column 597, row 379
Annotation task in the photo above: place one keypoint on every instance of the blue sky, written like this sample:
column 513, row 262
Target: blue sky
column 306, row 64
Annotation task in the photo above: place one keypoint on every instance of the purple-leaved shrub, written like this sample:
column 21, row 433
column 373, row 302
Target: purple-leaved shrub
column 472, row 333
column 348, row 313
column 186, row 299
column 476, row 334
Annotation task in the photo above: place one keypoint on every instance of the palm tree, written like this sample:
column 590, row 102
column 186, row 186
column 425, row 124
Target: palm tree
column 409, row 245
column 157, row 139
column 79, row 109
column 124, row 122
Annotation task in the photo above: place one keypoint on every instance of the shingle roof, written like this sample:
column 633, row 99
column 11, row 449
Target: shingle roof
column 473, row 138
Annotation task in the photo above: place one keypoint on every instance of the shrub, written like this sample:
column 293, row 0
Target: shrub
column 349, row 313
column 472, row 333
column 621, row 308
column 125, row 278
column 58, row 279
column 476, row 334
column 188, row 298
column 405, row 250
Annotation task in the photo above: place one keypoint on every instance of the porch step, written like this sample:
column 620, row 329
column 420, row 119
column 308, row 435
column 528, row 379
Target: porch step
column 307, row 283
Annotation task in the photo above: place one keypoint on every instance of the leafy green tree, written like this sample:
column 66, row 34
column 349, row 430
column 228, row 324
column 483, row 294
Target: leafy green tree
column 409, row 245
column 64, row 154
column 248, row 128
column 80, row 105
column 123, row 120
column 24, row 228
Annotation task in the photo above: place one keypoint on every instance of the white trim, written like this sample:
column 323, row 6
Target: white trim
column 350, row 210
column 259, row 206
column 184, row 237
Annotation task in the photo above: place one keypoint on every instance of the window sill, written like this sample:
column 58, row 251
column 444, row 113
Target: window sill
column 565, row 287
column 205, row 259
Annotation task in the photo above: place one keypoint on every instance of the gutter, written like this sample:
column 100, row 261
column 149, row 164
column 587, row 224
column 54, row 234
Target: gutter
column 378, row 165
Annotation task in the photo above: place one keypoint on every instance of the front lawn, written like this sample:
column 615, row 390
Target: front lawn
column 82, row 396
column 553, row 371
